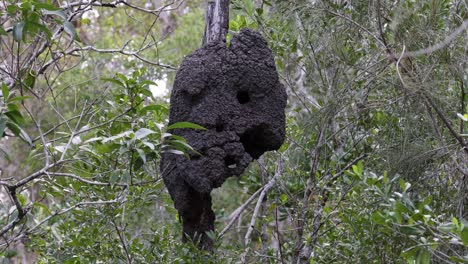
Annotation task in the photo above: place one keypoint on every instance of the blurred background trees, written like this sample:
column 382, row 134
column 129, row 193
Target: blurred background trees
column 374, row 169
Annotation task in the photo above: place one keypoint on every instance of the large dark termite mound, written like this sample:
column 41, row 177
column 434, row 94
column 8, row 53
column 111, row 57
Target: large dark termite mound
column 235, row 93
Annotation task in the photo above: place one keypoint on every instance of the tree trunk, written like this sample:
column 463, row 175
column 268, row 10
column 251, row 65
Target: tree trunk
column 216, row 21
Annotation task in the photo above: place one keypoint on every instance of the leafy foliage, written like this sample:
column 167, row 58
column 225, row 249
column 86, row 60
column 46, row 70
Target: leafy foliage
column 374, row 169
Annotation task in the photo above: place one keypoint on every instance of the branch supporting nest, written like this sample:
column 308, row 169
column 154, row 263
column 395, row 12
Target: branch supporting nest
column 216, row 21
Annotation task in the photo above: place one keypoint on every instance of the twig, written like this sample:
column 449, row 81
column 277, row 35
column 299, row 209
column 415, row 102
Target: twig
column 122, row 50
column 435, row 47
column 426, row 97
column 30, row 230
column 263, row 211
column 280, row 243
column 78, row 178
column 355, row 23
column 96, row 126
column 58, row 125
column 115, row 4
column 123, row 241
column 236, row 214
column 267, row 187
column 301, row 221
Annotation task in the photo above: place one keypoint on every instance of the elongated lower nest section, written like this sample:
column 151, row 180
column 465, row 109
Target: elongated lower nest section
column 235, row 93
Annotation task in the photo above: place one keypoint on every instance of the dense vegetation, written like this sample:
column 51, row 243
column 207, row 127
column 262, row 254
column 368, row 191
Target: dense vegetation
column 374, row 168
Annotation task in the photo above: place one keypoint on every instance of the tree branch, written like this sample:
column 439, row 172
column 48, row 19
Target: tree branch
column 267, row 187
column 216, row 21
column 435, row 47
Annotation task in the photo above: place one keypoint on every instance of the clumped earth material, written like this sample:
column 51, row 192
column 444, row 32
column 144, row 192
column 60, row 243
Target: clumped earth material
column 235, row 93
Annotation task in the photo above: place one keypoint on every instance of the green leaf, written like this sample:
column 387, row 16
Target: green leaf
column 19, row 98
column 122, row 77
column 463, row 259
column 114, row 177
column 13, row 107
column 249, row 6
column 156, row 108
column 5, row 155
column 464, row 236
column 43, row 206
column 86, row 21
column 26, row 137
column 446, row 227
column 149, row 145
column 180, row 143
column 142, row 154
column 358, row 169
column 412, row 230
column 14, row 128
column 15, row 116
column 147, row 82
column 40, row 27
column 259, row 11
column 233, row 25
column 30, row 79
column 283, row 198
column 463, row 117
column 423, row 257
column 185, row 125
column 5, row 91
column 45, row 6
column 143, row 132
column 3, row 122
column 378, row 218
column 404, row 185
column 21, row 198
column 126, row 178
column 121, row 135
column 113, row 81
column 171, row 136
column 173, row 151
column 2, row 31
column 11, row 10
column 18, row 31
column 70, row 29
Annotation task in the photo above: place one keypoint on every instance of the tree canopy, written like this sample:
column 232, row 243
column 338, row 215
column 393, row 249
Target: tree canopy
column 374, row 168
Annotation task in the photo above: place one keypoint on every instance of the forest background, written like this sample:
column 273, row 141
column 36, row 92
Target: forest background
column 374, row 168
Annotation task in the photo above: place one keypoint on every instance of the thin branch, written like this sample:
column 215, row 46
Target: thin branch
column 78, row 178
column 58, row 125
column 123, row 241
column 237, row 213
column 122, row 50
column 115, row 4
column 426, row 97
column 267, row 187
column 435, row 47
column 64, row 211
column 301, row 221
column 96, row 126
column 354, row 23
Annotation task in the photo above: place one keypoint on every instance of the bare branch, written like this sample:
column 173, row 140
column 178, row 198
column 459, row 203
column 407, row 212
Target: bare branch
column 236, row 214
column 435, row 47
column 116, row 4
column 267, row 187
column 122, row 50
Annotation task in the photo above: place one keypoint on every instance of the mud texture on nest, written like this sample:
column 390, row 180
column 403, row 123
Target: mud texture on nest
column 235, row 93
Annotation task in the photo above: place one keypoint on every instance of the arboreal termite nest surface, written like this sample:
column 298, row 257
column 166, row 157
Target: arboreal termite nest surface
column 235, row 93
